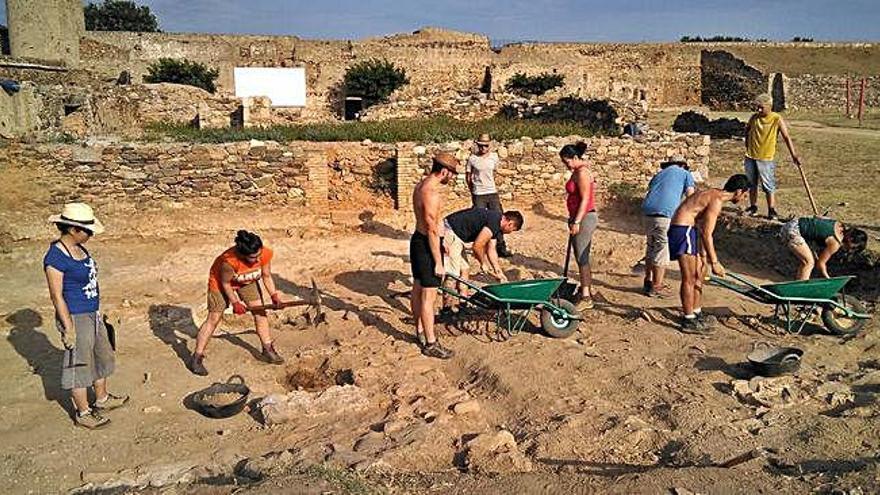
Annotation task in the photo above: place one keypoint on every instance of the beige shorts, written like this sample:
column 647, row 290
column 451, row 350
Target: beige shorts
column 454, row 261
column 217, row 301
column 656, row 230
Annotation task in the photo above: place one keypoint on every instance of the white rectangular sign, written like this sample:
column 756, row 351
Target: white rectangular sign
column 286, row 87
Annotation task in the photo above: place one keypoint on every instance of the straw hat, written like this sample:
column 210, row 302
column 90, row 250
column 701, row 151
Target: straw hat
column 79, row 215
column 448, row 161
column 484, row 139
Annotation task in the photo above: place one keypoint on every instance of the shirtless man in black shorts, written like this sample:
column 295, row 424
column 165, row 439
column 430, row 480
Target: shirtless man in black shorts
column 690, row 240
column 425, row 252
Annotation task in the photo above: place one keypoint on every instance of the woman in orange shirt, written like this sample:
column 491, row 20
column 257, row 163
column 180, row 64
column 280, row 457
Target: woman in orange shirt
column 234, row 279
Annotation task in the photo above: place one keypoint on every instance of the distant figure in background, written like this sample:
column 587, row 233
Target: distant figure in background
column 480, row 176
column 665, row 191
column 580, row 199
column 827, row 233
column 72, row 275
column 760, row 164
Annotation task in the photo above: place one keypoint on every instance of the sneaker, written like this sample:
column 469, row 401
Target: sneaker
column 647, row 287
column 110, row 402
column 197, row 365
column 435, row 350
column 752, row 210
column 423, row 341
column 656, row 294
column 584, row 304
column 505, row 253
column 270, row 356
column 693, row 325
column 772, row 214
column 91, row 420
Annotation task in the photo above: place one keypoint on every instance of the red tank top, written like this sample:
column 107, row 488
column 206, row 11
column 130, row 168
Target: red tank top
column 573, row 197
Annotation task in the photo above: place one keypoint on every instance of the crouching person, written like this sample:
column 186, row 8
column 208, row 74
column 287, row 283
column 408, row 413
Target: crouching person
column 234, row 280
column 72, row 275
column 828, row 234
column 483, row 228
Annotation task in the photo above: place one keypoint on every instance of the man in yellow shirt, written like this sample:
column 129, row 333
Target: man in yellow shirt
column 760, row 161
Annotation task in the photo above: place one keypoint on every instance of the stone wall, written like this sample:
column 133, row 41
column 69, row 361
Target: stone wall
column 246, row 171
column 346, row 174
column 531, row 168
column 810, row 91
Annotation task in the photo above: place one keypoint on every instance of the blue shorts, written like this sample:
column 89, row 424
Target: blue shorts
column 761, row 172
column 683, row 239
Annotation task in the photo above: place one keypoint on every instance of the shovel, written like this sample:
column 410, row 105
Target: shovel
column 809, row 192
column 314, row 301
column 568, row 289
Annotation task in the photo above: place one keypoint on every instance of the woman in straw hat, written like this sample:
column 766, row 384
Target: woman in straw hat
column 72, row 274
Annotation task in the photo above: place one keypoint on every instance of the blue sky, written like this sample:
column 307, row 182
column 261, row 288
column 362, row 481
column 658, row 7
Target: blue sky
column 550, row 20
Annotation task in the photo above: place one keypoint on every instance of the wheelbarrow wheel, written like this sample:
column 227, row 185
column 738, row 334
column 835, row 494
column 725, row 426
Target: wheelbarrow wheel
column 838, row 323
column 560, row 326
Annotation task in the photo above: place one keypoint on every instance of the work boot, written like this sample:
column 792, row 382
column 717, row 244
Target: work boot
column 197, row 365
column 693, row 325
column 752, row 210
column 435, row 350
column 110, row 402
column 270, row 356
column 91, row 420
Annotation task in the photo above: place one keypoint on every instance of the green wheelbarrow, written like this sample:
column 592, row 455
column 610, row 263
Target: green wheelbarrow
column 841, row 314
column 514, row 302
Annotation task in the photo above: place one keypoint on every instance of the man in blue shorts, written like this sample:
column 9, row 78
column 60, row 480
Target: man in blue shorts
column 693, row 222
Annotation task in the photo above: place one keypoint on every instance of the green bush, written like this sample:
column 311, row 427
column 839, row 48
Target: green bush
column 182, row 72
column 433, row 130
column 522, row 84
column 373, row 80
column 120, row 15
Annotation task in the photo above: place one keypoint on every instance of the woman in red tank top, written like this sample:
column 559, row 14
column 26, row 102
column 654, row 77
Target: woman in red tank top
column 580, row 198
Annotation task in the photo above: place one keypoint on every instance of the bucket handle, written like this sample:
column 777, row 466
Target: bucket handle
column 235, row 378
column 763, row 343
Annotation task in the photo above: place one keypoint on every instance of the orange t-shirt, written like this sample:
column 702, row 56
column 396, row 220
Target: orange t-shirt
column 245, row 273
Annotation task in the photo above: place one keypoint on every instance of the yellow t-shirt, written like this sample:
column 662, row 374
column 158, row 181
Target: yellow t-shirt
column 761, row 138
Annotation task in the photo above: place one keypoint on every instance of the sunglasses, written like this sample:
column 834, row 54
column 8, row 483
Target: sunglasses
column 85, row 231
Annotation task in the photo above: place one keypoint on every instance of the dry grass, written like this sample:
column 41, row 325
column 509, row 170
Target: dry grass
column 810, row 60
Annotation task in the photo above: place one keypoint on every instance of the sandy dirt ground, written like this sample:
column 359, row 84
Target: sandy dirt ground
column 628, row 404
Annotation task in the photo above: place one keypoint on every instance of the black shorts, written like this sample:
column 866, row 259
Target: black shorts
column 422, row 262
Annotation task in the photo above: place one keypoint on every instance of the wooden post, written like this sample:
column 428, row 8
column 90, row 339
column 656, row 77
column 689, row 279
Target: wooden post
column 848, row 99
column 862, row 100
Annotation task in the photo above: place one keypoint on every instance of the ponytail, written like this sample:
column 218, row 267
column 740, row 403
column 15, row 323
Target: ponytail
column 571, row 151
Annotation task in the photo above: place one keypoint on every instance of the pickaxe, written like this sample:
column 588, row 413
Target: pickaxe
column 314, row 301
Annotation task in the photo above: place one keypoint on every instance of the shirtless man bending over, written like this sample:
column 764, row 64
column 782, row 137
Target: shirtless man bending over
column 700, row 211
column 425, row 252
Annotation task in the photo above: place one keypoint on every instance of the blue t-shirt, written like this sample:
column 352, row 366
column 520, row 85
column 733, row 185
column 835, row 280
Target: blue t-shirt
column 666, row 190
column 80, row 288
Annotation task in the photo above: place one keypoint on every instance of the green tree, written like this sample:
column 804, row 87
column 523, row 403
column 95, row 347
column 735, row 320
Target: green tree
column 522, row 84
column 120, row 15
column 373, row 80
column 182, row 72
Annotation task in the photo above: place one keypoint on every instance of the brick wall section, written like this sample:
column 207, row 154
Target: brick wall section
column 531, row 168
